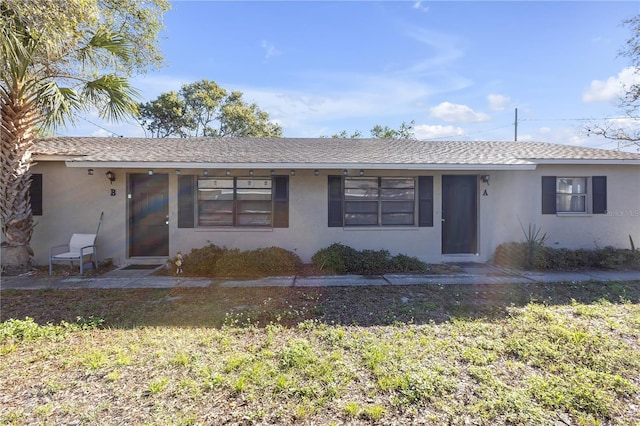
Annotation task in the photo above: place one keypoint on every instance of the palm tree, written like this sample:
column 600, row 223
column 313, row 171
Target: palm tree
column 44, row 81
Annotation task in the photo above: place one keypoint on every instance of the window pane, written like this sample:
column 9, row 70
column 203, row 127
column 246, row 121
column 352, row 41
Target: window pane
column 204, row 183
column 360, row 219
column 254, row 194
column 397, row 219
column 254, row 219
column 398, row 194
column 254, row 183
column 359, row 188
column 215, row 194
column 254, row 207
column 397, row 207
column 398, row 183
column 571, row 203
column 572, row 185
column 361, row 207
column 215, row 213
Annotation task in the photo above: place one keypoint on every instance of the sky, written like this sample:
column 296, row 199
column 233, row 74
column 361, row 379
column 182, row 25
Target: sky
column 458, row 70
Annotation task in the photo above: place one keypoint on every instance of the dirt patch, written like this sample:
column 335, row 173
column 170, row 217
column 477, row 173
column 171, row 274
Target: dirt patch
column 362, row 305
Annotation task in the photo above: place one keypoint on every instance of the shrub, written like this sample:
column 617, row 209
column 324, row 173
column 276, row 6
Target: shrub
column 202, row 261
column 341, row 259
column 515, row 255
column 257, row 263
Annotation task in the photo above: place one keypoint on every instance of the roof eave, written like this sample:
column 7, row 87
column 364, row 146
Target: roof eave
column 592, row 161
column 300, row 166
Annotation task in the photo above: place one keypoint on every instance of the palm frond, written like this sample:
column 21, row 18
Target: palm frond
column 105, row 41
column 57, row 104
column 113, row 94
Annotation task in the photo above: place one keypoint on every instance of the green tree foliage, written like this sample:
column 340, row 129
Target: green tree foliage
column 405, row 131
column 57, row 58
column 205, row 109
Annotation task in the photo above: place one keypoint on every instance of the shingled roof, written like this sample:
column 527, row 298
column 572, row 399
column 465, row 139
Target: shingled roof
column 317, row 153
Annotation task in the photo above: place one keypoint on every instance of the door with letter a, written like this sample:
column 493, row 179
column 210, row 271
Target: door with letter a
column 148, row 214
column 459, row 214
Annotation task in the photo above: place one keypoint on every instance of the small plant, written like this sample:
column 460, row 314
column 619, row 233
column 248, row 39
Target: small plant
column 534, row 244
column 157, row 386
column 352, row 409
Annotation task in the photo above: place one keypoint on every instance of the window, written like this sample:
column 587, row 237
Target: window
column 571, row 195
column 378, row 201
column 234, row 202
column 574, row 194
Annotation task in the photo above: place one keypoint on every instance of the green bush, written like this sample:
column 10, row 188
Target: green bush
column 201, row 262
column 341, row 259
column 515, row 255
column 214, row 261
column 257, row 263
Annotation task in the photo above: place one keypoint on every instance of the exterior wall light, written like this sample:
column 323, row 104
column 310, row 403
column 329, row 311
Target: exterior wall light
column 250, row 172
column 345, row 172
column 228, row 172
column 205, row 172
column 90, row 172
column 178, row 172
column 150, row 172
column 361, row 172
column 273, row 172
column 485, row 179
column 293, row 172
column 111, row 176
column 316, row 172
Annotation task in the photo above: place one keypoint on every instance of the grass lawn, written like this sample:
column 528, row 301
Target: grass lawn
column 565, row 353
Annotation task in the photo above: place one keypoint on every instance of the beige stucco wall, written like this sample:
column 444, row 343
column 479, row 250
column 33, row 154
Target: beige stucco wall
column 73, row 201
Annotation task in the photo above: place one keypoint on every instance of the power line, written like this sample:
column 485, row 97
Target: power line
column 103, row 128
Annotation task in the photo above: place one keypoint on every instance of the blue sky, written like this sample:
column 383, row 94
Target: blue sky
column 458, row 69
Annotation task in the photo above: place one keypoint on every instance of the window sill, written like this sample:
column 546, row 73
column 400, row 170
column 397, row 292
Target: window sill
column 572, row 214
column 380, row 228
column 233, row 229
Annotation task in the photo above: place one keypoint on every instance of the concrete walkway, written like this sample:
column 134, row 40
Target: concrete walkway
column 469, row 274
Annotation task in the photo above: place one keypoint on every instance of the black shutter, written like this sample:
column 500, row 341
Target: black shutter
column 335, row 201
column 548, row 195
column 599, row 186
column 425, row 201
column 186, row 201
column 35, row 194
column 281, row 202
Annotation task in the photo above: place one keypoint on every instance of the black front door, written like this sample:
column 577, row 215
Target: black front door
column 148, row 215
column 459, row 214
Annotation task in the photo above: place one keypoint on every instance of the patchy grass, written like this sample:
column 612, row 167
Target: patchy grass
column 538, row 354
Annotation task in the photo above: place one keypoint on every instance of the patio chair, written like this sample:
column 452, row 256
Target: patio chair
column 79, row 247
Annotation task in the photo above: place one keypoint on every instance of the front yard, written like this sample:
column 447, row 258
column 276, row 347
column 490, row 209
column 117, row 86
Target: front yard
column 565, row 353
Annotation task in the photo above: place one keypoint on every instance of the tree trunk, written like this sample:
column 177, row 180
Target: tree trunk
column 15, row 260
column 16, row 143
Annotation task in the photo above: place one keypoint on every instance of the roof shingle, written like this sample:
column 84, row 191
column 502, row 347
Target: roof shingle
column 316, row 151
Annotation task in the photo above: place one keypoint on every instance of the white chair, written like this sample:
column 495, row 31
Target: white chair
column 80, row 246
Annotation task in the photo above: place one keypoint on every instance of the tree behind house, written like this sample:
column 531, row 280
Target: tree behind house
column 205, row 109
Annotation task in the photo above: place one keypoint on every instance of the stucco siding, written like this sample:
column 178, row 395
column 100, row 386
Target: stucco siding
column 73, row 201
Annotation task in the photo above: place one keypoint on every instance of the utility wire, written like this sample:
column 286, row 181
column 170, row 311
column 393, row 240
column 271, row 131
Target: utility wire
column 99, row 126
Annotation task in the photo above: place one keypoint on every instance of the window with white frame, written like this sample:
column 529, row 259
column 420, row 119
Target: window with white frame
column 373, row 201
column 571, row 195
column 235, row 202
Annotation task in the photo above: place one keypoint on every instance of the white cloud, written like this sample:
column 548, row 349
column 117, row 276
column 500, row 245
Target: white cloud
column 270, row 49
column 611, row 88
column 456, row 113
column 498, row 102
column 426, row 131
column 419, row 6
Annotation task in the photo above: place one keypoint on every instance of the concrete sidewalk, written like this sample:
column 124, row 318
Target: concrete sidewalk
column 469, row 274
